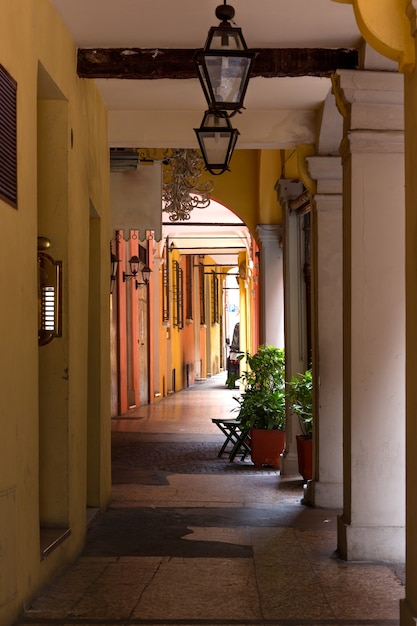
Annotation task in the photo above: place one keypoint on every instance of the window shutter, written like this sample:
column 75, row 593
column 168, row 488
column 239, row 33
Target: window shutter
column 8, row 139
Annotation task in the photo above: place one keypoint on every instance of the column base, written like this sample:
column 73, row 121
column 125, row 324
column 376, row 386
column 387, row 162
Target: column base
column 325, row 495
column 370, row 543
column 289, row 465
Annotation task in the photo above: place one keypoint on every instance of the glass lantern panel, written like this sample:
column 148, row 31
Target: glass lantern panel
column 228, row 77
column 227, row 39
column 216, row 146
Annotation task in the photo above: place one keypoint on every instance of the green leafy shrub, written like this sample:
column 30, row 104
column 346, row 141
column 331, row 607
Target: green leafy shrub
column 300, row 395
column 262, row 404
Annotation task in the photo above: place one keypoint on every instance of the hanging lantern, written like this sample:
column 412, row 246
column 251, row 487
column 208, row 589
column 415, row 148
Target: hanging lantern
column 224, row 65
column 217, row 139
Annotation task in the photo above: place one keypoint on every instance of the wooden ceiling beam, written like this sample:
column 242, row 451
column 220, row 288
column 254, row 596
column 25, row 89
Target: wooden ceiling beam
column 151, row 64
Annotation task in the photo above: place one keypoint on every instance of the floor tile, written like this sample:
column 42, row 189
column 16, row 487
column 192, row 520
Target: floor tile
column 202, row 589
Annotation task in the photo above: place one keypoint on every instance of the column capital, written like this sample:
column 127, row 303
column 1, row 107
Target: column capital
column 328, row 172
column 370, row 100
column 373, row 142
column 269, row 233
column 325, row 203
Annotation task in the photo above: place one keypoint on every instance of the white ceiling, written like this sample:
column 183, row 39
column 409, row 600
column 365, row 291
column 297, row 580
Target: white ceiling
column 185, row 23
column 279, row 111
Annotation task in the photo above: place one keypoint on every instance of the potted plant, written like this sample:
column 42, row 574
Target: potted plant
column 262, row 404
column 300, row 394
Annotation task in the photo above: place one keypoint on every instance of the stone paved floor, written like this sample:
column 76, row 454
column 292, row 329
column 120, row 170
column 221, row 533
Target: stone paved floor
column 191, row 539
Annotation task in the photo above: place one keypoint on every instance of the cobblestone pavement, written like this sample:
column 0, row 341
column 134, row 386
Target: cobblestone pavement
column 176, row 435
column 133, row 451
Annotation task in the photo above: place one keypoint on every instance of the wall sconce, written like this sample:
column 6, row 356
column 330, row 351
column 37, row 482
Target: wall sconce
column 134, row 269
column 224, row 64
column 217, row 139
column 114, row 263
column 49, row 294
column 146, row 274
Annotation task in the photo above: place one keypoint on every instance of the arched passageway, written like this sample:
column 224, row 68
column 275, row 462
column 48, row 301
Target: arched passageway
column 178, row 323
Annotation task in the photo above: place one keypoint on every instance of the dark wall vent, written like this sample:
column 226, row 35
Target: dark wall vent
column 8, row 138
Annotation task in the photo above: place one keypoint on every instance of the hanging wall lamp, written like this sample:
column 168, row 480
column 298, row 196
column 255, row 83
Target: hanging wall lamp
column 134, row 269
column 224, row 64
column 146, row 274
column 217, row 139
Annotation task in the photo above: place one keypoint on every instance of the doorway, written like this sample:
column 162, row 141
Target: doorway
column 143, row 345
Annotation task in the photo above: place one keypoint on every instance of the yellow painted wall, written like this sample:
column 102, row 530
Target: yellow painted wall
column 238, row 188
column 384, row 24
column 270, row 165
column 74, row 214
column 248, row 188
column 295, row 165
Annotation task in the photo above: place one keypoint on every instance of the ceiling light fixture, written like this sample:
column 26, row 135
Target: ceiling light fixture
column 224, row 64
column 217, row 139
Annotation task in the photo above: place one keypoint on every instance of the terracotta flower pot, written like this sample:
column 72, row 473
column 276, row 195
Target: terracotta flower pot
column 305, row 456
column 267, row 446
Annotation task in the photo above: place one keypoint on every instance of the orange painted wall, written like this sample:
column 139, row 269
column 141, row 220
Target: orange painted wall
column 121, row 315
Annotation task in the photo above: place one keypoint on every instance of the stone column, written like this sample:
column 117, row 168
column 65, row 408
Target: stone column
column 372, row 525
column 295, row 311
column 272, row 286
column 326, row 488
